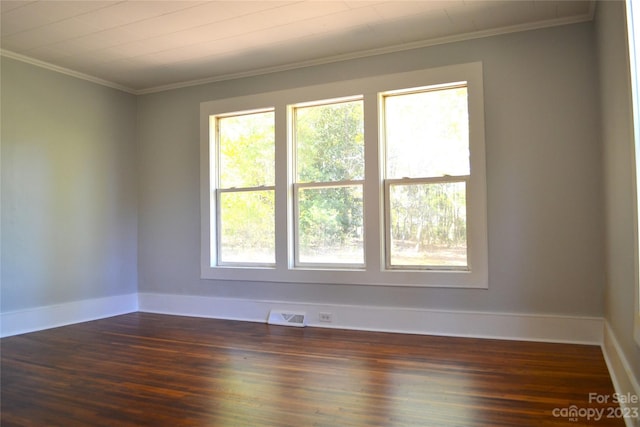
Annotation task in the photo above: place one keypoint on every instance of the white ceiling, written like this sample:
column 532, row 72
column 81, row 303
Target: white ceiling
column 145, row 46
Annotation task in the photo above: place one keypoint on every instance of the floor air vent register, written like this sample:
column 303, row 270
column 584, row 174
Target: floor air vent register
column 286, row 318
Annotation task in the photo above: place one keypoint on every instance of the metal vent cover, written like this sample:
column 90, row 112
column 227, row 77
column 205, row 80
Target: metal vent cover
column 286, row 318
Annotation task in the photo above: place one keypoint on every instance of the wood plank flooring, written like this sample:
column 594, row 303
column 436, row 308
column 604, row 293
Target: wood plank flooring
column 157, row 370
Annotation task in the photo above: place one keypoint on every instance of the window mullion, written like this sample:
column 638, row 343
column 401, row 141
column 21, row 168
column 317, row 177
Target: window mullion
column 372, row 209
column 283, row 176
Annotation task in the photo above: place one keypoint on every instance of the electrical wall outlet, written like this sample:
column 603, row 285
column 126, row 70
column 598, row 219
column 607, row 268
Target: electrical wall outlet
column 325, row 317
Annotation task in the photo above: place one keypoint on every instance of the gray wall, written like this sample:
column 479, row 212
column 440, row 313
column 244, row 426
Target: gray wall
column 617, row 139
column 69, row 189
column 544, row 177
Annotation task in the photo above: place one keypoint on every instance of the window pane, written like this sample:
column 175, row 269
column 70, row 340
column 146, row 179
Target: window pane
column 330, row 225
column 246, row 150
column 330, row 142
column 247, row 227
column 427, row 133
column 428, row 224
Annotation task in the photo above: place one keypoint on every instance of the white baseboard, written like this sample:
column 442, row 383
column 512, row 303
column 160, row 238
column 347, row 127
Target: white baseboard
column 52, row 316
column 548, row 328
column 529, row 327
column 624, row 382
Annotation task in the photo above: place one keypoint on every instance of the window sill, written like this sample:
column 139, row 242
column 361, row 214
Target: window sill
column 401, row 278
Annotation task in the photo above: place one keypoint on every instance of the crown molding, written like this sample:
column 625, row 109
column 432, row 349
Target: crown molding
column 66, row 71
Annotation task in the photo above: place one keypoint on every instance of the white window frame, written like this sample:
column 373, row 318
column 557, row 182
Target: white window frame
column 375, row 272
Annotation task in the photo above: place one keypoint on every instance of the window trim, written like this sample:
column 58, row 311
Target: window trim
column 375, row 273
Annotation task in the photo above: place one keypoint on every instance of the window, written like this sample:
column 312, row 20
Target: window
column 244, row 188
column 375, row 181
column 328, row 140
column 426, row 143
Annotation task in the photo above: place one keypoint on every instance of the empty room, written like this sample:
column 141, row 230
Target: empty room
column 319, row 213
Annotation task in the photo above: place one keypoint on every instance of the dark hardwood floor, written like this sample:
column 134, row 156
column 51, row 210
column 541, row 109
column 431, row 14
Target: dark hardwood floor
column 157, row 370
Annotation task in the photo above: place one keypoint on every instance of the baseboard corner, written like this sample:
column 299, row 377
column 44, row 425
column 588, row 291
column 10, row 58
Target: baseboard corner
column 624, row 382
column 52, row 316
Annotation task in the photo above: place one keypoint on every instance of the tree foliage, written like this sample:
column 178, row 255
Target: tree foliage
column 330, row 142
column 247, row 150
column 329, row 149
column 428, row 224
column 427, row 136
column 247, row 159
